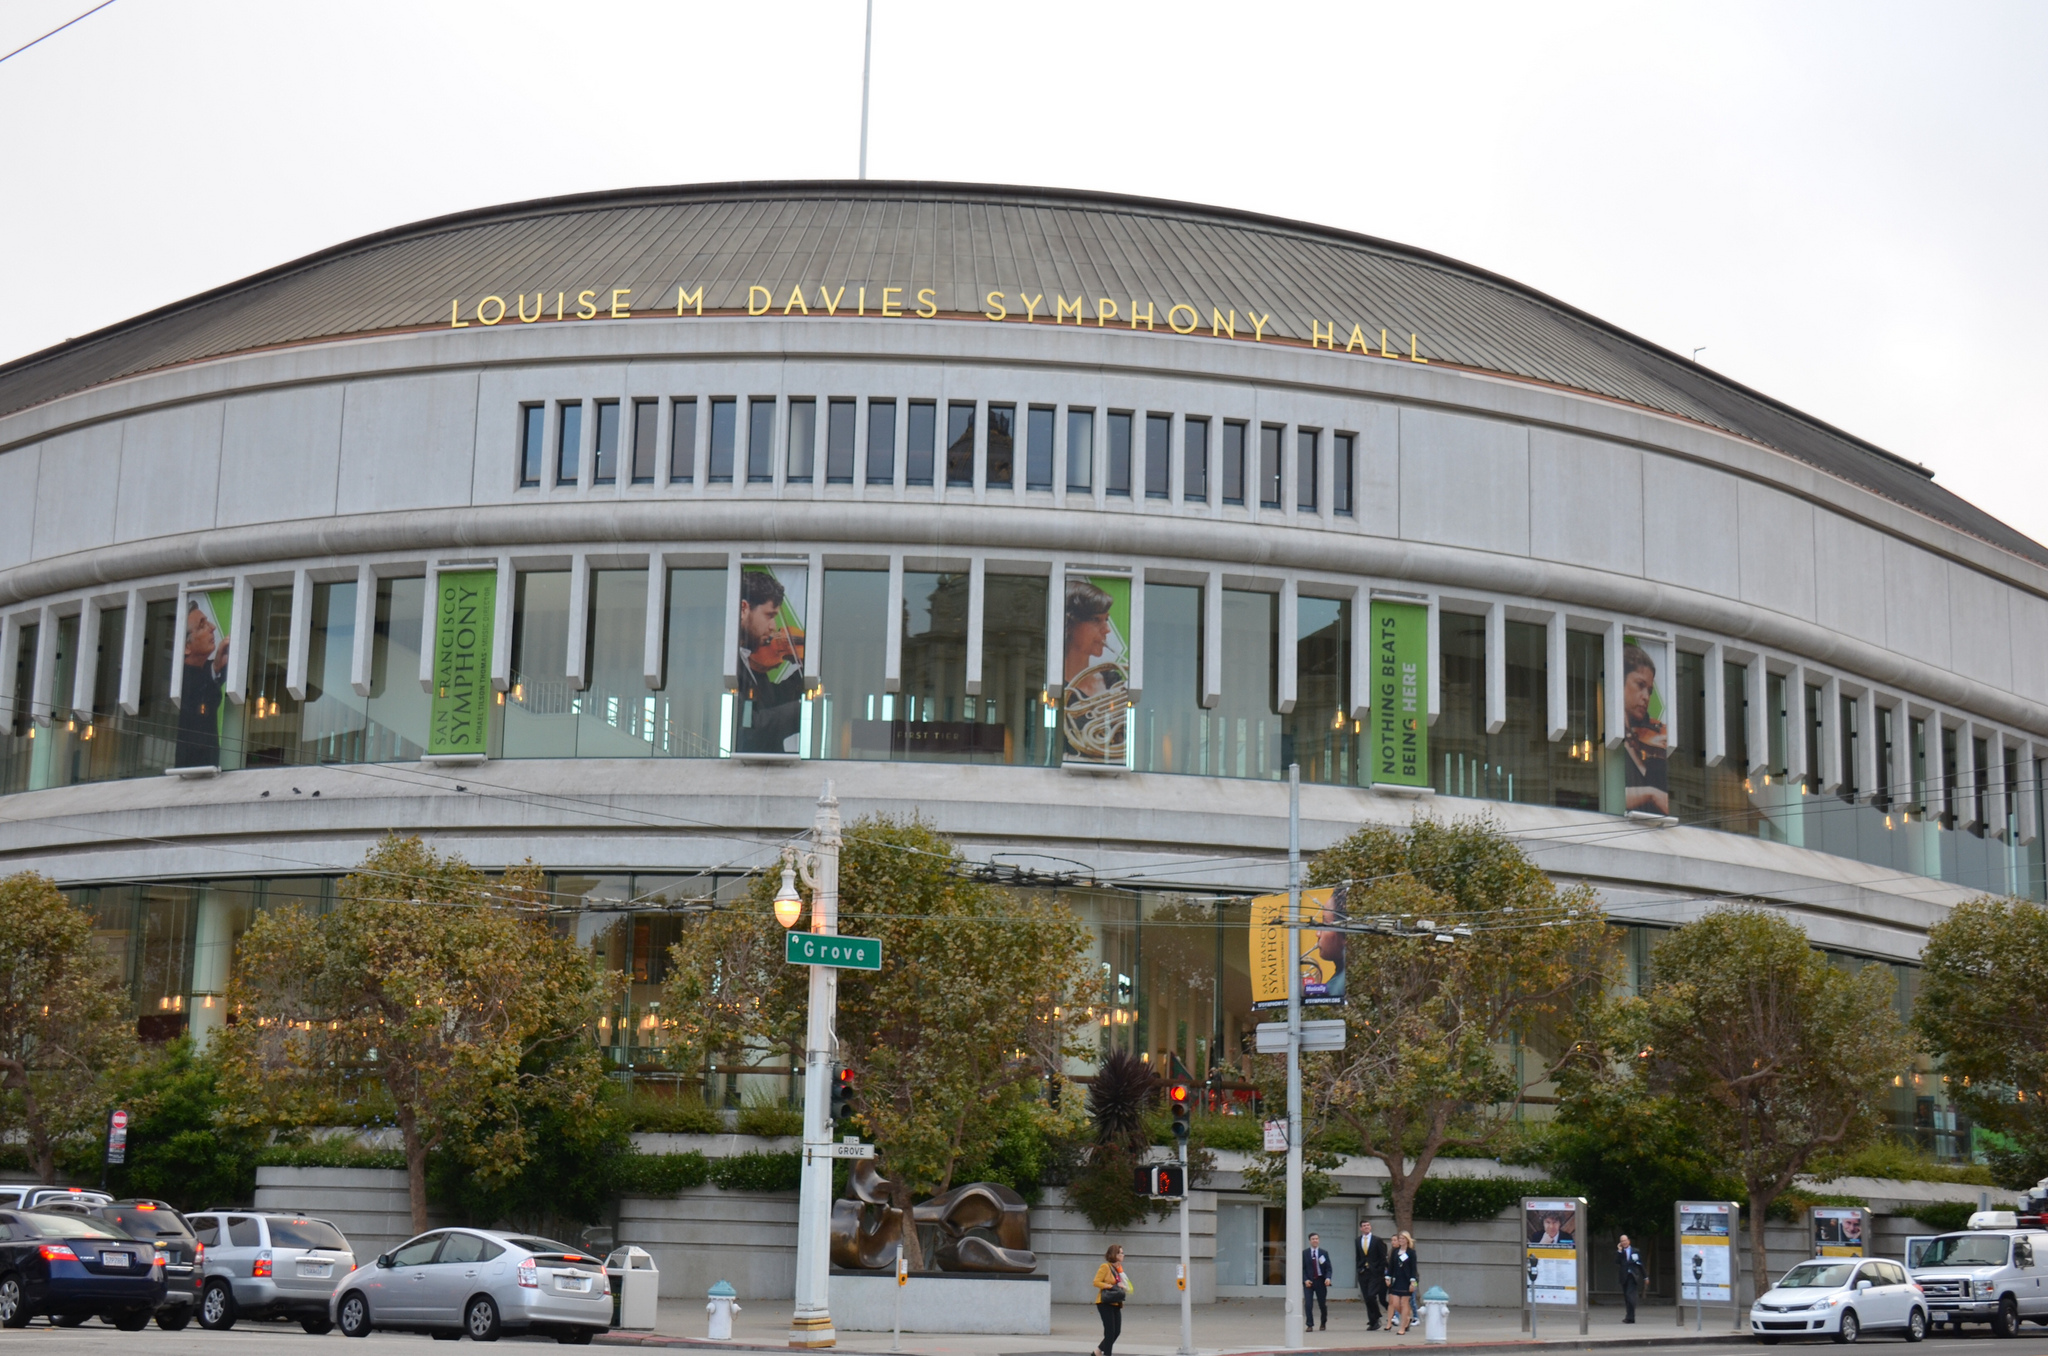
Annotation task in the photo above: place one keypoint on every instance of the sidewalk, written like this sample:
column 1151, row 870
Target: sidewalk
column 1225, row 1328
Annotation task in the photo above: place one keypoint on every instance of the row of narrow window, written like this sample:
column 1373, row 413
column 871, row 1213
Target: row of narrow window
column 1139, row 449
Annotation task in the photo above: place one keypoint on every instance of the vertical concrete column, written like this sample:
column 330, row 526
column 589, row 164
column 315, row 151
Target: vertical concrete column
column 1436, row 661
column 892, row 642
column 1832, row 735
column 1212, row 639
column 177, row 691
column 134, row 636
column 296, row 655
column 731, row 671
column 1757, row 681
column 579, row 621
column 1556, row 691
column 236, row 688
column 1675, row 697
column 85, row 673
column 1795, row 723
column 430, row 609
column 363, row 640
column 1059, row 466
column 43, row 677
column 977, row 601
column 1714, row 703
column 653, row 649
column 1610, row 681
column 1361, row 652
column 814, row 635
column 1176, row 461
column 1289, row 644
column 1868, row 745
column 1055, row 618
column 2029, row 808
column 1969, row 812
column 501, row 624
column 212, row 950
column 10, row 643
column 1136, row 681
column 1496, row 667
column 1994, row 788
column 1902, row 754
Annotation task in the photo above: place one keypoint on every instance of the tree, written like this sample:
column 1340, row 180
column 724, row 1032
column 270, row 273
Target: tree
column 1443, row 1037
column 179, row 1148
column 64, row 1028
column 1120, row 1100
column 1773, row 1053
column 980, row 990
column 1981, row 1012
column 430, row 993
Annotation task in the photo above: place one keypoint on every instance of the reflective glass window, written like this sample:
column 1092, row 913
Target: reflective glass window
column 803, row 441
column 761, row 440
column 1002, row 446
column 881, row 440
column 1234, row 435
column 960, row 444
column 682, row 442
column 617, row 716
column 1246, row 725
column 334, row 719
column 1038, row 448
column 1195, row 454
column 270, row 716
column 569, row 447
column 646, row 428
column 855, row 713
column 1158, row 454
column 1305, row 480
column 605, row 469
column 922, row 446
column 935, row 718
column 1343, row 461
column 725, row 425
column 1117, row 475
column 1269, row 465
column 1170, row 726
column 1080, row 449
column 1713, row 797
column 690, row 702
column 532, row 442
column 540, row 715
column 1319, row 732
column 839, row 422
column 398, row 708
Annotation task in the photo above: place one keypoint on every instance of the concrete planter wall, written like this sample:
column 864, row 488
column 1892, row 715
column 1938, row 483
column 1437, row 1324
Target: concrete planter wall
column 369, row 1205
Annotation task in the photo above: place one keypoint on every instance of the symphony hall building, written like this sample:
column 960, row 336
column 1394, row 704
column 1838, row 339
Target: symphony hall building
column 604, row 530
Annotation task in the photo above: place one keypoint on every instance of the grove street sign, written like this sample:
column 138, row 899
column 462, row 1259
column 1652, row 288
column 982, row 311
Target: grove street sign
column 842, row 953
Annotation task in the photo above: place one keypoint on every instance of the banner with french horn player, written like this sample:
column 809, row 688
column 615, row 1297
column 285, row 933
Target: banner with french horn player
column 1095, row 670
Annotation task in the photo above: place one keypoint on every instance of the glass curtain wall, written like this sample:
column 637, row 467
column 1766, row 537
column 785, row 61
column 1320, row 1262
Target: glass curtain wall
column 855, row 714
column 1320, row 733
column 1520, row 762
column 540, row 708
column 1170, row 726
column 1711, row 797
column 936, row 718
column 618, row 716
column 270, row 717
column 1245, row 726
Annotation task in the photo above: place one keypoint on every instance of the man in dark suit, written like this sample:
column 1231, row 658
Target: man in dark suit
column 1630, row 1263
column 1315, row 1278
column 1370, row 1258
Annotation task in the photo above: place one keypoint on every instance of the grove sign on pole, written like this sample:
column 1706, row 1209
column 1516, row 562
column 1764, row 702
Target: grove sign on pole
column 841, row 953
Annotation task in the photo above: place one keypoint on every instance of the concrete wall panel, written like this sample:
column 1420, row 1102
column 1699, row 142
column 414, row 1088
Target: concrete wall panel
column 1585, row 502
column 1916, row 603
column 19, row 471
column 1464, row 481
column 2029, row 645
column 1379, row 468
column 170, row 472
column 1849, row 577
column 279, row 454
column 407, row 442
column 1690, row 535
column 74, row 491
column 1981, row 622
column 1777, row 550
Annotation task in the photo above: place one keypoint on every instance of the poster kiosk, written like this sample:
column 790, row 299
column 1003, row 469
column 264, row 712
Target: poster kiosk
column 1839, row 1230
column 1554, row 1254
column 1709, row 1276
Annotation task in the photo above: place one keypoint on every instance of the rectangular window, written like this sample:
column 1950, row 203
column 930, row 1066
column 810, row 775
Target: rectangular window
column 1158, row 455
column 725, row 427
column 1002, row 446
column 1305, row 469
column 960, row 444
column 1038, row 449
column 1319, row 733
column 606, row 471
column 1713, row 797
column 270, row 717
column 646, row 427
column 881, row 440
column 616, row 716
column 1846, row 713
column 1080, row 449
column 686, row 709
column 1118, row 475
column 533, row 426
column 1269, row 465
column 922, row 433
column 1234, row 435
column 1195, row 458
column 539, row 716
column 761, row 440
column 854, row 709
column 803, row 440
column 1343, row 453
column 569, row 449
column 682, row 443
column 1171, row 728
column 839, row 417
column 934, row 718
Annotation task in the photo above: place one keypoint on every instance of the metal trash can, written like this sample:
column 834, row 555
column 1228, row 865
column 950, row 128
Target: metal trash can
column 725, row 1302
column 635, row 1282
column 1436, row 1314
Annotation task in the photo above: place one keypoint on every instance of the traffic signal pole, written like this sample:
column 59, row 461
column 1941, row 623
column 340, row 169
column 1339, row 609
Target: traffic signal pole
column 811, row 1325
column 1293, row 1334
column 1187, row 1313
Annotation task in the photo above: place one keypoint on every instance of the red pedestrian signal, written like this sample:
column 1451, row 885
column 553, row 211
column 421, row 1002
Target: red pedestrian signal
column 1163, row 1181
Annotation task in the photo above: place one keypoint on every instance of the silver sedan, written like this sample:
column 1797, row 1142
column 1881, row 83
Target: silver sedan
column 477, row 1283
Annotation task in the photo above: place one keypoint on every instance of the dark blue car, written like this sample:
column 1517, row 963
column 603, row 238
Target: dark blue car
column 66, row 1266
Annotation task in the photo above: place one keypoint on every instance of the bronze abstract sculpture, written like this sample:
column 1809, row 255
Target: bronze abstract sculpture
column 983, row 1226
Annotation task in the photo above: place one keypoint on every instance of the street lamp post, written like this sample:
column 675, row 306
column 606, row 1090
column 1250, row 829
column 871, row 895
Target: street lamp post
column 812, row 1324
column 1293, row 1333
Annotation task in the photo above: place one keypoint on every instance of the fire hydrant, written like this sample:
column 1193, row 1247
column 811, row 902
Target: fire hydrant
column 1436, row 1312
column 725, row 1302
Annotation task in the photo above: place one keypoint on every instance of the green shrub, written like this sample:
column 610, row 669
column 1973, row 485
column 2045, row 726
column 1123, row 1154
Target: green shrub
column 1942, row 1216
column 758, row 1172
column 684, row 1114
column 771, row 1122
column 1456, row 1200
column 661, row 1174
column 1245, row 1134
column 1901, row 1162
column 330, row 1153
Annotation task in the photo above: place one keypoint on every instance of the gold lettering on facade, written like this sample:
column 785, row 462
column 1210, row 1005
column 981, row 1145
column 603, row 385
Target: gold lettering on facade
column 1357, row 341
column 492, row 320
column 621, row 310
column 1383, row 344
column 863, row 301
column 1258, row 326
column 767, row 300
column 796, row 300
column 695, row 298
column 1193, row 318
column 540, row 301
column 1105, row 311
column 586, row 309
column 1060, row 314
column 830, row 300
column 995, row 310
column 455, row 320
column 1318, row 337
column 1146, row 317
column 1217, row 325
column 1031, row 305
column 1413, row 355
column 558, row 305
column 886, row 303
column 927, row 302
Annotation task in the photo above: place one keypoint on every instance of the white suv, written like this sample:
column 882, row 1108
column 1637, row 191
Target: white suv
column 1994, row 1272
column 269, row 1264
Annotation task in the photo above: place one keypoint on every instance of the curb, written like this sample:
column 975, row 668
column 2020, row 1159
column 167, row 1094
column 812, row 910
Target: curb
column 1472, row 1348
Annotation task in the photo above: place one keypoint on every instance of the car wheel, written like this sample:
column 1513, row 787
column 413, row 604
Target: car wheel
column 2006, row 1322
column 134, row 1321
column 480, row 1319
column 13, row 1303
column 174, row 1320
column 574, row 1337
column 354, row 1314
column 1851, row 1327
column 217, row 1307
column 1916, row 1325
column 319, row 1327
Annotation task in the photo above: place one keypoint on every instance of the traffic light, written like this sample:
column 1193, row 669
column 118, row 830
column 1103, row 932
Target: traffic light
column 1163, row 1181
column 842, row 1095
column 1179, row 1097
column 1052, row 1091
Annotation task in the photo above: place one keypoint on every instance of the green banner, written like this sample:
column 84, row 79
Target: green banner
column 466, row 605
column 1400, row 694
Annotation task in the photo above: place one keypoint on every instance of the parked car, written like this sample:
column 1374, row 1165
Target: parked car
column 267, row 1264
column 179, row 1250
column 478, row 1283
column 1994, row 1272
column 1843, row 1297
column 34, row 1195
column 69, row 1267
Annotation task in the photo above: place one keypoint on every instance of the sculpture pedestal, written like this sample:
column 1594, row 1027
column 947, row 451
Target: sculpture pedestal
column 942, row 1301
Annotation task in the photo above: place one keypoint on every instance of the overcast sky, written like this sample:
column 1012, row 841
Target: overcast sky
column 1845, row 204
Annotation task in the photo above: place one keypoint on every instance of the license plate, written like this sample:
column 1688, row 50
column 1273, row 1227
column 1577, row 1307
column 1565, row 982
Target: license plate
column 113, row 1259
column 316, row 1269
column 579, row 1284
column 1941, row 1315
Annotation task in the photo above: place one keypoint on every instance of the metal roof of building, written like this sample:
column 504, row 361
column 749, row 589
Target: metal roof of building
column 964, row 241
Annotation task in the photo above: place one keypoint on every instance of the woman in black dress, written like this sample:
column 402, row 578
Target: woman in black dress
column 1401, row 1283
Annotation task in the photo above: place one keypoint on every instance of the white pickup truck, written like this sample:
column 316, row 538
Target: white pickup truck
column 1995, row 1272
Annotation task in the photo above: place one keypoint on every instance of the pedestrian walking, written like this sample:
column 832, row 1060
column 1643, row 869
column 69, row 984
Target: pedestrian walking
column 1370, row 1260
column 1315, row 1279
column 1401, row 1278
column 1631, row 1263
column 1112, row 1288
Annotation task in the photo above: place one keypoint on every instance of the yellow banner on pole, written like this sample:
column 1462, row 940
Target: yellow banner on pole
column 1322, row 948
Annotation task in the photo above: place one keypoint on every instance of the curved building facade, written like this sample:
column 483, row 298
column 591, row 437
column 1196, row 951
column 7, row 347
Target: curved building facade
column 603, row 530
